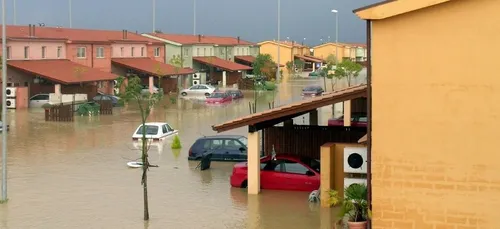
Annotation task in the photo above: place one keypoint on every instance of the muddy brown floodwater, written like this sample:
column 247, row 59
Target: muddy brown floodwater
column 74, row 175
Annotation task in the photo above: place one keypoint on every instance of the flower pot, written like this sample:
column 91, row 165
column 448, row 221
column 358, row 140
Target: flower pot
column 357, row 225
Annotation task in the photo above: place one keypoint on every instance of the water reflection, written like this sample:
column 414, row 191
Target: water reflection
column 74, row 175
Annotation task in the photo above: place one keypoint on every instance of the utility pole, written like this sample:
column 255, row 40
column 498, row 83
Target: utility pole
column 194, row 17
column 278, row 75
column 70, row 15
column 154, row 16
column 15, row 12
column 4, row 107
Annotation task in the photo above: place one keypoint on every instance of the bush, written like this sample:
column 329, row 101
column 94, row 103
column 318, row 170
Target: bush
column 269, row 85
column 88, row 109
column 176, row 143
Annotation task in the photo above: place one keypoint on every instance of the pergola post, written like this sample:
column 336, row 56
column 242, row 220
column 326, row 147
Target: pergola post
column 253, row 163
column 313, row 117
column 347, row 113
column 224, row 79
column 151, row 84
column 326, row 176
column 57, row 89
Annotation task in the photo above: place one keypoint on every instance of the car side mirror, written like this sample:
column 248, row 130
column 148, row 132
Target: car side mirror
column 310, row 173
column 243, row 149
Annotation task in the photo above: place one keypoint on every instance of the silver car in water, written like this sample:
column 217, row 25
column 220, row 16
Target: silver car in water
column 200, row 89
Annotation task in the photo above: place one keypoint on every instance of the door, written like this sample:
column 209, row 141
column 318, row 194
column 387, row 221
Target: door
column 217, row 149
column 234, row 150
column 39, row 100
column 271, row 176
column 299, row 177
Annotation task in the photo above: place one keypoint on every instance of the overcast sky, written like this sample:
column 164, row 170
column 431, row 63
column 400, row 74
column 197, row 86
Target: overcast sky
column 253, row 20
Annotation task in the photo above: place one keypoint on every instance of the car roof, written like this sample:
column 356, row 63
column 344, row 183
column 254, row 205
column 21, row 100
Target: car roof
column 222, row 136
column 154, row 123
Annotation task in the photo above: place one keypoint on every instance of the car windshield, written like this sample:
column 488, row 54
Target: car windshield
column 243, row 140
column 150, row 130
column 312, row 163
column 311, row 88
column 210, row 86
column 217, row 95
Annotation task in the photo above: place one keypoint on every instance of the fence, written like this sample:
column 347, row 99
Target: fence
column 246, row 84
column 105, row 107
column 59, row 113
column 307, row 140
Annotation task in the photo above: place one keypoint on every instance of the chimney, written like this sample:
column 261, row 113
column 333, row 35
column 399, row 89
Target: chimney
column 126, row 34
column 199, row 37
column 33, row 33
column 29, row 30
column 238, row 39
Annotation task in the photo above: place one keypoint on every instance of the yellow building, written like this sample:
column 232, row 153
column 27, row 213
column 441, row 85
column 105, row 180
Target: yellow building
column 289, row 51
column 351, row 51
column 434, row 115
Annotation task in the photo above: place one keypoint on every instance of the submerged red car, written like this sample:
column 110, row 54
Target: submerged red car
column 219, row 97
column 284, row 172
column 358, row 119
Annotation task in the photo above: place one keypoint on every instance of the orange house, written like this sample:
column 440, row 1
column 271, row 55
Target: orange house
column 433, row 116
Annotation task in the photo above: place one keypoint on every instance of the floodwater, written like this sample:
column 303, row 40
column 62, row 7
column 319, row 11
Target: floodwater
column 74, row 175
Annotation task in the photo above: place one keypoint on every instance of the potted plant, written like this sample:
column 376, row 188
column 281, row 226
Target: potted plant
column 355, row 207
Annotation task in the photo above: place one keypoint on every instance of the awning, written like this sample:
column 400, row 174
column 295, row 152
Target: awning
column 276, row 115
column 222, row 64
column 61, row 71
column 150, row 66
column 248, row 59
column 310, row 59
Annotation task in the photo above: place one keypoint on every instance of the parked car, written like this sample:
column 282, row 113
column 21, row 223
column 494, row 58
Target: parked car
column 236, row 94
column 145, row 89
column 102, row 97
column 200, row 89
column 219, row 97
column 285, row 172
column 154, row 131
column 312, row 91
column 222, row 147
column 1, row 126
column 39, row 100
column 357, row 119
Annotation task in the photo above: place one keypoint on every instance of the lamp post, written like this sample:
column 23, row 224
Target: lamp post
column 15, row 12
column 154, row 16
column 70, row 14
column 279, row 43
column 4, row 107
column 194, row 17
column 336, row 33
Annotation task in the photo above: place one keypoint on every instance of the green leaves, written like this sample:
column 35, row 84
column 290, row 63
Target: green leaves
column 262, row 65
column 347, row 69
column 355, row 205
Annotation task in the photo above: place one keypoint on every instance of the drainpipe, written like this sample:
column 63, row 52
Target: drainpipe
column 91, row 55
column 369, row 111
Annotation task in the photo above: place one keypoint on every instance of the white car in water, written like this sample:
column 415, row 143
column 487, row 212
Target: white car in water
column 200, row 89
column 154, row 131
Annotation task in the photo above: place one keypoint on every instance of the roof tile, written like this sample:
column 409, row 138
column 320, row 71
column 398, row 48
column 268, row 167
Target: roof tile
column 222, row 64
column 151, row 66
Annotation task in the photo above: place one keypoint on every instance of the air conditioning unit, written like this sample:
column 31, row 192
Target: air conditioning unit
column 196, row 82
column 197, row 76
column 350, row 181
column 355, row 160
column 11, row 92
column 11, row 103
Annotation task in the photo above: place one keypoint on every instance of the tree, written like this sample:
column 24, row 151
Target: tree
column 347, row 69
column 299, row 65
column 160, row 74
column 331, row 59
column 264, row 65
column 145, row 103
column 178, row 62
column 328, row 72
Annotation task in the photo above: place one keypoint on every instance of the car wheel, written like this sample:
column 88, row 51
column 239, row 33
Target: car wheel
column 244, row 184
column 184, row 93
column 207, row 94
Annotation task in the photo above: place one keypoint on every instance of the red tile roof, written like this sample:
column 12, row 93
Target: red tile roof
column 61, row 71
column 150, row 66
column 187, row 39
column 76, row 35
column 222, row 64
column 249, row 59
column 309, row 58
column 296, row 108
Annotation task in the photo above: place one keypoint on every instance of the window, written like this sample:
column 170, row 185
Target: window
column 164, row 128
column 8, row 52
column 271, row 165
column 202, row 87
column 233, row 144
column 197, row 51
column 222, row 51
column 99, row 52
column 169, row 128
column 204, row 51
column 142, row 51
column 121, row 51
column 237, row 51
column 81, row 52
column 59, row 51
column 44, row 49
column 211, row 52
column 40, row 97
column 216, row 144
column 150, row 130
column 157, row 51
column 243, row 140
column 100, row 84
column 186, row 52
column 294, row 167
column 26, row 52
column 132, row 51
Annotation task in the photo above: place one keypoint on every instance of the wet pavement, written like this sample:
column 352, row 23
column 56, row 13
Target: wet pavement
column 74, row 175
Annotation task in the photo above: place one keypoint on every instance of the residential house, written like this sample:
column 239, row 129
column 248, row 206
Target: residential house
column 289, row 51
column 433, row 160
column 207, row 55
column 351, row 51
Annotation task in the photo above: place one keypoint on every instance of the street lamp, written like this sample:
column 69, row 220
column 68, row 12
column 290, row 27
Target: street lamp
column 194, row 17
column 15, row 12
column 70, row 14
column 279, row 43
column 4, row 107
column 336, row 33
column 154, row 16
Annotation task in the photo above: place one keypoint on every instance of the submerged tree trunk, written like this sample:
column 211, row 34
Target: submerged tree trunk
column 145, row 163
